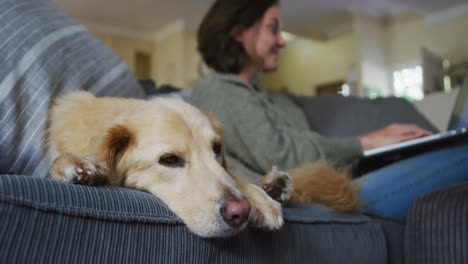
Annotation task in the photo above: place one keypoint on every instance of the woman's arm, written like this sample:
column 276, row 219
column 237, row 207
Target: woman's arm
column 254, row 134
column 391, row 134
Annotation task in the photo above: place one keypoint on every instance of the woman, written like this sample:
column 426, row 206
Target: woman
column 241, row 38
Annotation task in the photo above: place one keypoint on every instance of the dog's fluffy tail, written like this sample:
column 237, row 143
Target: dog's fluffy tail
column 320, row 183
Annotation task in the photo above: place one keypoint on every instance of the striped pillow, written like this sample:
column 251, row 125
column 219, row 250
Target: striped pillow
column 43, row 53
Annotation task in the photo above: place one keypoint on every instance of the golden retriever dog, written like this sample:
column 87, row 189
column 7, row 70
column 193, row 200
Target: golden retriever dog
column 173, row 150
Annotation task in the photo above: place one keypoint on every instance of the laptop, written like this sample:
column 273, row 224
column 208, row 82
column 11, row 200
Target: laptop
column 457, row 131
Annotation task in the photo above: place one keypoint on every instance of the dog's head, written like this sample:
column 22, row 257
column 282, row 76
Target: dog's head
column 175, row 151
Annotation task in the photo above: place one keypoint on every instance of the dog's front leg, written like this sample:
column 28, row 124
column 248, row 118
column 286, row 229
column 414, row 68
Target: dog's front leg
column 278, row 185
column 266, row 212
column 72, row 169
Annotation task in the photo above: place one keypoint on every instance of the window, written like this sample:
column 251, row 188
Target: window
column 408, row 83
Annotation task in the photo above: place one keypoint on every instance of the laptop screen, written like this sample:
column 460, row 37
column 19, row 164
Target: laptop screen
column 459, row 118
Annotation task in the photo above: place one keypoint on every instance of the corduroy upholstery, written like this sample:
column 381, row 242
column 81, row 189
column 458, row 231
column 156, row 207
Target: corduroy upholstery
column 44, row 53
column 44, row 221
column 437, row 228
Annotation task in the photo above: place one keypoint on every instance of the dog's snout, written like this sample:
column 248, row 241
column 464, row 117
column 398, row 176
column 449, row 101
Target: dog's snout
column 235, row 211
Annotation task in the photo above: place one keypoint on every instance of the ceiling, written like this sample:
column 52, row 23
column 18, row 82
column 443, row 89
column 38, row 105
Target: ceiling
column 318, row 19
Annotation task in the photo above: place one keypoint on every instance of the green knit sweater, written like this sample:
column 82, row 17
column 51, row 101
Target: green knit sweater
column 262, row 129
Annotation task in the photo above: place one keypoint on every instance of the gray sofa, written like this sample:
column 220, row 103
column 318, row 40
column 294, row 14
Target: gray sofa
column 43, row 54
column 436, row 231
column 50, row 222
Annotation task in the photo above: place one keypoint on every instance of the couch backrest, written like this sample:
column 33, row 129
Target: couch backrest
column 44, row 53
column 338, row 116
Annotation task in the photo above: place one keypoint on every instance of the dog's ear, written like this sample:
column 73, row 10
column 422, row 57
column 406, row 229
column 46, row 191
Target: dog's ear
column 223, row 160
column 214, row 123
column 116, row 142
column 219, row 130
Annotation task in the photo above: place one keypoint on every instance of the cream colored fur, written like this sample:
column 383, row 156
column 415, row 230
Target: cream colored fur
column 320, row 183
column 82, row 125
column 123, row 140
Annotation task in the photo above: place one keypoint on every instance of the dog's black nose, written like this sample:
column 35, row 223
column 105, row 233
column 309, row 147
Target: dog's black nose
column 235, row 211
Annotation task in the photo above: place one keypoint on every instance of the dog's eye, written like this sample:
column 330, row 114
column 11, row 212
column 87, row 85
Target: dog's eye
column 171, row 160
column 217, row 148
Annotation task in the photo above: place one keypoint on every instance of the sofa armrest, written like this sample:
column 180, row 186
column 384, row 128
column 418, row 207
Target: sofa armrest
column 100, row 203
column 44, row 221
column 436, row 231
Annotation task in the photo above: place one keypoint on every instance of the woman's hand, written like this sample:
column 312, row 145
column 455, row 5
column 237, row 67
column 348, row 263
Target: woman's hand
column 393, row 133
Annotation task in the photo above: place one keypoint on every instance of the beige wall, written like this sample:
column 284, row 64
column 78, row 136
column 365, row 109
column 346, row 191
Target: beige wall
column 372, row 46
column 192, row 59
column 174, row 58
column 168, row 59
column 306, row 63
column 448, row 39
column 126, row 47
column 401, row 43
column 372, row 50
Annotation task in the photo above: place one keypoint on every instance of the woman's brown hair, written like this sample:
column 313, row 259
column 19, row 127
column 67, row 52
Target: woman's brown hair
column 216, row 43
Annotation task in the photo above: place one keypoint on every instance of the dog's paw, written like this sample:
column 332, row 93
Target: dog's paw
column 278, row 185
column 266, row 213
column 72, row 169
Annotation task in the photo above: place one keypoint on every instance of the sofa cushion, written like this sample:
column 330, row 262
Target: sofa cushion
column 43, row 53
column 338, row 116
column 47, row 221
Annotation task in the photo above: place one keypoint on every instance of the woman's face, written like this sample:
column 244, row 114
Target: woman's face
column 263, row 41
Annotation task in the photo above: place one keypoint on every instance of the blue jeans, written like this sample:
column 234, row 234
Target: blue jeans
column 391, row 190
